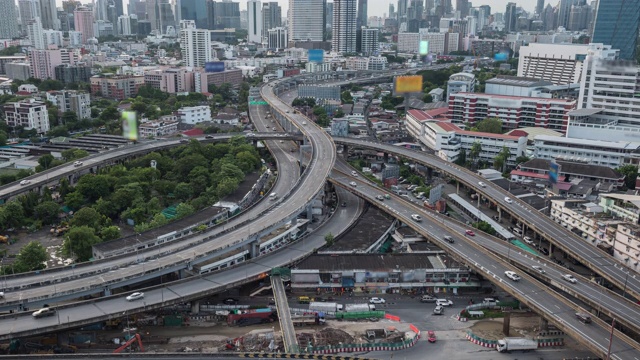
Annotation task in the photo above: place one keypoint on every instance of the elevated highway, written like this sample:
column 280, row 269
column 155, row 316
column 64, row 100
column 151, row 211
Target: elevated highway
column 529, row 290
column 595, row 259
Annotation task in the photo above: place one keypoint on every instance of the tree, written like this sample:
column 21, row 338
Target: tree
column 183, row 210
column 74, row 200
column 631, row 174
column 485, row 226
column 47, row 212
column 94, row 187
column 501, row 159
column 183, row 191
column 489, row 125
column 339, row 113
column 474, row 153
column 346, row 97
column 522, row 159
column 87, row 217
column 46, row 160
column 110, row 233
column 427, row 98
column 79, row 241
column 72, row 154
column 329, row 239
column 13, row 214
column 31, row 257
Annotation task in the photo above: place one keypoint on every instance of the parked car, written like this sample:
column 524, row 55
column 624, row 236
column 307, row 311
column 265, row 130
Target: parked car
column 528, row 240
column 376, row 300
column 427, row 299
column 135, row 296
column 512, row 275
column 570, row 278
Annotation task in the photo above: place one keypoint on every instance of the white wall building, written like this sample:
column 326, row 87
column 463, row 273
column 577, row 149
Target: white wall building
column 75, row 38
column 559, row 63
column 69, row 100
column 29, row 113
column 254, row 21
column 306, row 20
column 437, row 41
column 194, row 114
column 612, row 154
column 277, row 38
column 369, row 41
column 52, row 37
column 195, row 44
column 408, row 42
column 34, row 32
column 124, row 25
column 158, row 128
column 461, row 82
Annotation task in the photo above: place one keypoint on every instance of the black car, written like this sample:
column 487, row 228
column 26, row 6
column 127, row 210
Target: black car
column 344, row 204
column 209, row 137
column 230, row 301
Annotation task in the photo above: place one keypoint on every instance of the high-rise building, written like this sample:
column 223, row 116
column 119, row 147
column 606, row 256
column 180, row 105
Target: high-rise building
column 278, row 38
column 305, row 24
column 462, row 6
column 616, row 24
column 549, row 17
column 29, row 113
column 392, row 11
column 254, row 21
column 166, row 16
column 579, row 17
column 83, row 20
column 29, row 10
column 510, row 17
column 195, row 44
column 49, row 15
column 34, row 32
column 402, row 10
column 227, row 14
column 8, row 20
column 195, row 10
column 344, row 26
column 44, row 62
column 369, row 41
column 564, row 12
column 124, row 25
column 361, row 19
column 52, row 37
column 328, row 14
column 100, row 9
column 539, row 7
column 271, row 16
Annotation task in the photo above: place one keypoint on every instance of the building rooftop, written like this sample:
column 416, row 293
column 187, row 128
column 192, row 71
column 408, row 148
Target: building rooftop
column 518, row 81
column 532, row 132
column 619, row 145
column 566, row 167
column 584, row 112
column 371, row 262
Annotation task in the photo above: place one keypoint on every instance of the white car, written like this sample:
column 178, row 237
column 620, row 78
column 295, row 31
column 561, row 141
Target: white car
column 380, row 197
column 508, row 200
column 25, row 182
column 354, row 173
column 528, row 240
column 135, row 296
column 570, row 278
column 416, row 217
column 512, row 275
column 376, row 300
column 538, row 269
column 77, row 163
column 444, row 302
column 353, row 183
column 482, row 184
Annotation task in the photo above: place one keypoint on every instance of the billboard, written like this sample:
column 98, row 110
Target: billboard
column 129, row 125
column 424, row 47
column 554, row 169
column 408, row 84
column 316, row 55
column 214, row 66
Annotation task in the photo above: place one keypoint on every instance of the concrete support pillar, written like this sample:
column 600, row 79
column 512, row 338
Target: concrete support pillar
column 457, row 187
column 254, row 249
column 544, row 324
column 506, row 323
column 182, row 274
column 550, row 249
column 478, row 202
column 195, row 307
column 386, row 158
column 309, row 212
column 429, row 173
column 106, row 291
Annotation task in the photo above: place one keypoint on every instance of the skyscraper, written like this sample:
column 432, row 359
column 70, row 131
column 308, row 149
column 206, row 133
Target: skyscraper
column 195, row 44
column 616, row 24
column 344, row 26
column 463, row 7
column 165, row 16
column 254, row 21
column 29, row 9
column 510, row 17
column 34, row 32
column 361, row 19
column 271, row 16
column 402, row 10
column 195, row 10
column 305, row 22
column 539, row 7
column 49, row 15
column 83, row 20
column 564, row 12
column 227, row 14
column 8, row 20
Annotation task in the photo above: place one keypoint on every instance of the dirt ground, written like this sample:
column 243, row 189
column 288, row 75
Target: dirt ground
column 521, row 326
column 51, row 242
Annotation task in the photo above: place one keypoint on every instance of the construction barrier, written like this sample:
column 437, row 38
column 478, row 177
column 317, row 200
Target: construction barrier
column 392, row 317
column 331, row 349
column 460, row 318
column 297, row 356
column 492, row 343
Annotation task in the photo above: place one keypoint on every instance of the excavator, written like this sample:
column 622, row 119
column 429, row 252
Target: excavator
column 129, row 342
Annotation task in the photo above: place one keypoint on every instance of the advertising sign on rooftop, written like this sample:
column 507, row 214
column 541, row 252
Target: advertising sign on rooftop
column 214, row 66
column 316, row 55
column 408, row 84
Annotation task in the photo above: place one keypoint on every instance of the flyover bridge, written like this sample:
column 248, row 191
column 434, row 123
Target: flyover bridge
column 284, row 314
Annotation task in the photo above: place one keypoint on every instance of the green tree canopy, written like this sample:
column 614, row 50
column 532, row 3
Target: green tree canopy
column 47, row 212
column 489, row 125
column 631, row 174
column 78, row 242
column 31, row 257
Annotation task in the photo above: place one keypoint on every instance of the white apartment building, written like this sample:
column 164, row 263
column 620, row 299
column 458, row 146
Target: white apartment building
column 195, row 44
column 611, row 86
column 306, row 20
column 408, row 42
column 194, row 114
column 75, row 38
column 29, row 113
column 561, row 64
column 344, row 26
column 612, row 154
column 254, row 21
column 449, row 141
column 70, row 100
column 369, row 41
column 312, row 67
column 158, row 128
column 34, row 32
column 124, row 25
column 437, row 41
column 460, row 82
column 52, row 37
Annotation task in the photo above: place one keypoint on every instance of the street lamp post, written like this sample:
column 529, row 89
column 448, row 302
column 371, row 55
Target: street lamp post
column 624, row 288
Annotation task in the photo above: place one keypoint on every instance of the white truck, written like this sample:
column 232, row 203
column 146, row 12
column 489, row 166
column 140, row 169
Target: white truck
column 325, row 306
column 516, row 344
column 359, row 307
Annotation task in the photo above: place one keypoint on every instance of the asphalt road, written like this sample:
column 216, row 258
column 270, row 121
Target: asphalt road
column 528, row 289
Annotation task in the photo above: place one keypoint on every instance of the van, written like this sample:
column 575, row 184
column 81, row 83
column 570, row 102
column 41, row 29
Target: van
column 583, row 317
column 273, row 196
column 304, row 299
column 427, row 299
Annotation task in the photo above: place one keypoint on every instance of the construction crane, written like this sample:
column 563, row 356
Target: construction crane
column 129, row 342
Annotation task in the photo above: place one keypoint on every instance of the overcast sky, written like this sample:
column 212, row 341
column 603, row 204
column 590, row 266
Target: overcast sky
column 380, row 7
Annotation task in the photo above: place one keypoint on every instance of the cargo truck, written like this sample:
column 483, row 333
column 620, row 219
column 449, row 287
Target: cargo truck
column 325, row 306
column 359, row 307
column 516, row 344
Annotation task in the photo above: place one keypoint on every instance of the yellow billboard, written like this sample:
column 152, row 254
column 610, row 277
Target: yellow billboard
column 408, row 84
